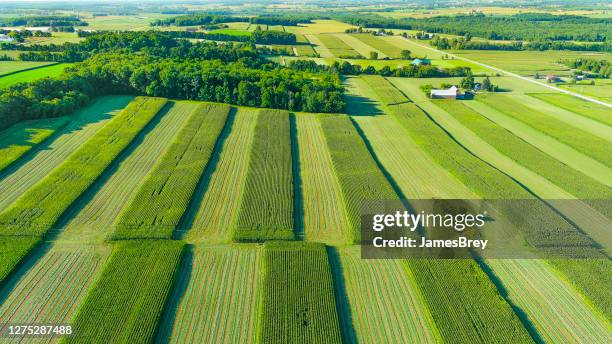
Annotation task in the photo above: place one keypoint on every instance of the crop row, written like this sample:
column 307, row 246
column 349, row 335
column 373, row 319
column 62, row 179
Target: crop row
column 298, row 302
column 360, row 178
column 157, row 208
column 22, row 137
column 582, row 107
column 267, row 206
column 387, row 93
column 591, row 145
column 12, row 251
column 126, row 302
column 40, row 208
column 380, row 44
column 336, row 46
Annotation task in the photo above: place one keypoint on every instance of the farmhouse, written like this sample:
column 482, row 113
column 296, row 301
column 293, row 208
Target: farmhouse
column 552, row 78
column 451, row 93
column 5, row 38
column 418, row 62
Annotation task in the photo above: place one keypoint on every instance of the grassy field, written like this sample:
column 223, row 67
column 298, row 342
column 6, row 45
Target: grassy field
column 133, row 22
column 162, row 200
column 325, row 219
column 51, row 288
column 305, row 50
column 553, row 307
column 602, row 89
column 390, row 50
column 17, row 179
column 319, row 26
column 297, row 303
column 336, row 46
column 57, row 38
column 8, row 67
column 216, row 296
column 34, row 74
column 371, row 288
column 233, row 32
column 22, row 137
column 95, row 219
column 218, row 211
column 580, row 140
column 267, row 208
column 319, row 47
column 57, row 191
column 582, row 107
column 127, row 300
column 358, row 45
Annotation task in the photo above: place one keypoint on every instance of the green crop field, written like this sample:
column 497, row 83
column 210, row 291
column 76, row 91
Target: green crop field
column 336, row 46
column 157, row 208
column 33, row 74
column 22, row 137
column 267, row 206
column 600, row 89
column 305, row 50
column 218, row 211
column 325, row 218
column 389, row 94
column 363, row 48
column 216, row 296
column 298, row 303
column 9, row 67
column 233, row 32
column 13, row 250
column 371, row 288
column 85, row 123
column 127, row 300
column 378, row 43
column 584, row 142
column 56, row 192
column 579, row 106
column 95, row 220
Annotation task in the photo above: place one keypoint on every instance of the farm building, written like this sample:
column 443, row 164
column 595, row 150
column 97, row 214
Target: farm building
column 552, row 78
column 5, row 38
column 418, row 62
column 451, row 93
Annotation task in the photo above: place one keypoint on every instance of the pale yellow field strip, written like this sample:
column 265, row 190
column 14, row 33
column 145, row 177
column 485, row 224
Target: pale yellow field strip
column 547, row 144
column 319, row 46
column 359, row 46
column 558, row 312
column 94, row 221
column 218, row 211
column 15, row 180
column 325, row 217
column 594, row 127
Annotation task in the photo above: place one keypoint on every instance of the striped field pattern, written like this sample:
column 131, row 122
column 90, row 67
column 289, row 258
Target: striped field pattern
column 325, row 218
column 52, row 289
column 218, row 212
column 216, row 297
column 373, row 288
column 162, row 200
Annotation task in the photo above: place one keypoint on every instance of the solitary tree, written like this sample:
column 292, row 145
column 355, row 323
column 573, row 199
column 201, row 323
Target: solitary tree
column 486, row 84
column 405, row 54
column 467, row 83
column 373, row 55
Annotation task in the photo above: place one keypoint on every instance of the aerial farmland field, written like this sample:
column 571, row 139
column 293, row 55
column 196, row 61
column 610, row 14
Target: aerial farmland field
column 320, row 172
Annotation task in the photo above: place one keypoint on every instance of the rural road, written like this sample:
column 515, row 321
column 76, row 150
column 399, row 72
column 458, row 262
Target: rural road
column 577, row 95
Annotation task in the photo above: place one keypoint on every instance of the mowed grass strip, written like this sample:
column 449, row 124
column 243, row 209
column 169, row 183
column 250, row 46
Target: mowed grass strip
column 108, row 197
column 157, row 208
column 576, row 183
column 325, row 218
column 218, row 212
column 126, row 303
column 12, row 251
column 22, row 137
column 465, row 305
column 360, row 178
column 51, row 289
column 267, row 207
column 39, row 209
column 582, row 107
column 298, row 304
column 305, row 50
column 18, row 178
column 372, row 288
column 582, row 141
column 378, row 43
column 216, row 297
column 558, row 313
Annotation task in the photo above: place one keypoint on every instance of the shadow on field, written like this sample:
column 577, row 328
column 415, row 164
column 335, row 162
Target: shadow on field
column 298, row 204
column 189, row 215
column 22, row 269
column 357, row 105
column 102, row 179
column 342, row 303
column 164, row 330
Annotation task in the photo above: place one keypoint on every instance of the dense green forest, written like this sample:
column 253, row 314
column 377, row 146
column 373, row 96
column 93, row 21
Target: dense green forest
column 526, row 26
column 211, row 19
column 43, row 21
column 600, row 68
column 149, row 63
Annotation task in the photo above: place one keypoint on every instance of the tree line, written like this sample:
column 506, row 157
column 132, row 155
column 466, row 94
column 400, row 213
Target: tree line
column 43, row 21
column 526, row 26
column 600, row 68
column 465, row 43
column 196, row 19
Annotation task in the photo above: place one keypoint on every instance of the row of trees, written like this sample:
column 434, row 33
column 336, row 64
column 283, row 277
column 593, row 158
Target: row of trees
column 527, row 27
column 466, row 44
column 600, row 68
column 43, row 21
column 21, row 35
column 212, row 19
column 411, row 71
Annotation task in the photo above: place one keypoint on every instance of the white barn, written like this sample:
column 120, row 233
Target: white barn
column 451, row 93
